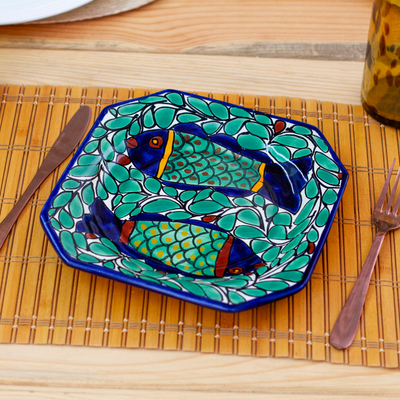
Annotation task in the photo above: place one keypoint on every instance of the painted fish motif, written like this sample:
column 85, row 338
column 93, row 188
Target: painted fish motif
column 193, row 248
column 185, row 158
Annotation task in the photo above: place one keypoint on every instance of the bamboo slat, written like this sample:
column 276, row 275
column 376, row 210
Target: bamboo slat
column 43, row 301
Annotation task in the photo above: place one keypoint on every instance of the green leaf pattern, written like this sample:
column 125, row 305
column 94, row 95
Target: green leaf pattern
column 284, row 241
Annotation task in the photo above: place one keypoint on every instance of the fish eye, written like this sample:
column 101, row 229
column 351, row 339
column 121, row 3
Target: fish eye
column 156, row 142
column 235, row 270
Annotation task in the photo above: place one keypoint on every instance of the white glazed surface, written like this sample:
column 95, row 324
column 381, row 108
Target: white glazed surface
column 17, row 11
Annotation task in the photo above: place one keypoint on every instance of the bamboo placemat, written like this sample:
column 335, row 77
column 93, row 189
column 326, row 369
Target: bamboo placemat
column 43, row 301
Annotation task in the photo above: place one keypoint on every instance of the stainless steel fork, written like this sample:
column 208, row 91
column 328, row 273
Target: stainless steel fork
column 346, row 325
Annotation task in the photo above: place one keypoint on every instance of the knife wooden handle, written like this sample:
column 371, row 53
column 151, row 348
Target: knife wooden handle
column 63, row 146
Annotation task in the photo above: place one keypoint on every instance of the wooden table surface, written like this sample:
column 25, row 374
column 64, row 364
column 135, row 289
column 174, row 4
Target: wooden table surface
column 300, row 48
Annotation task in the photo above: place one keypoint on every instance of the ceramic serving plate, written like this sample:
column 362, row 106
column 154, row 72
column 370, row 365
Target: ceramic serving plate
column 18, row 11
column 199, row 199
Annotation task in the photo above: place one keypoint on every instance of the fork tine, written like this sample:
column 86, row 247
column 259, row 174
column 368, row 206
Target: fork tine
column 397, row 205
column 393, row 192
column 382, row 196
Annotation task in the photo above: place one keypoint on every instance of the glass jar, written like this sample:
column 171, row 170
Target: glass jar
column 380, row 94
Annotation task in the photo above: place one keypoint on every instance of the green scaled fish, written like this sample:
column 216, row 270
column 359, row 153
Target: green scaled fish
column 186, row 158
column 194, row 248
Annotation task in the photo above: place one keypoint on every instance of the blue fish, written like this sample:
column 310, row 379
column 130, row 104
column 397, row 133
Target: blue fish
column 185, row 158
column 192, row 248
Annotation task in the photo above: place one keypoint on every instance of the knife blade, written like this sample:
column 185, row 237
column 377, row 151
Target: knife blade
column 66, row 142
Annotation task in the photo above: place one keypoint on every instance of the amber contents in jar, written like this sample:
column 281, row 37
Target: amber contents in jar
column 380, row 92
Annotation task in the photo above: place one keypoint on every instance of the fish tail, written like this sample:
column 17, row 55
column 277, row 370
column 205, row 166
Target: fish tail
column 101, row 222
column 283, row 182
column 297, row 171
column 236, row 258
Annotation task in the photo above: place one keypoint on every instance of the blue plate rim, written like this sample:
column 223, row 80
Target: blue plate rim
column 186, row 296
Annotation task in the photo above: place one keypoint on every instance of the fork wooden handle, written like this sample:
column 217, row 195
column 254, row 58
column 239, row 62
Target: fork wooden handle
column 346, row 325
